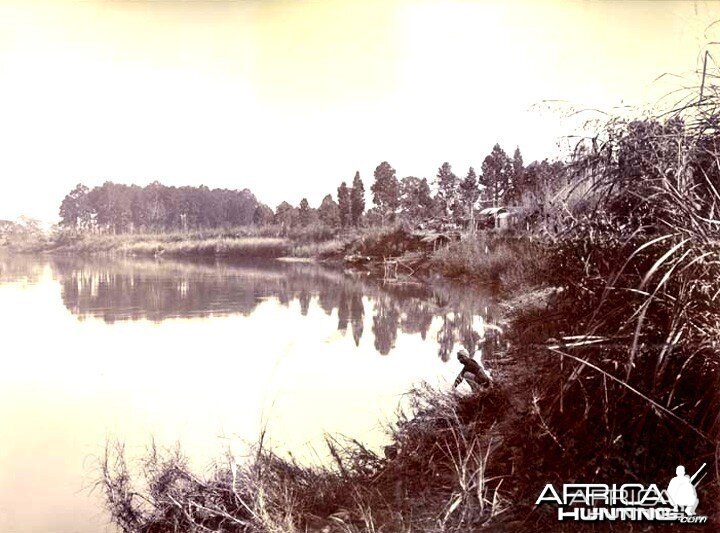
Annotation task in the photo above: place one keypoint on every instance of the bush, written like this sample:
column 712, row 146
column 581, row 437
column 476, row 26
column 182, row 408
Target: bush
column 513, row 263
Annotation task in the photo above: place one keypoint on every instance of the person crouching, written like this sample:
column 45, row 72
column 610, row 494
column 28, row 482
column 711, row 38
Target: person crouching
column 472, row 372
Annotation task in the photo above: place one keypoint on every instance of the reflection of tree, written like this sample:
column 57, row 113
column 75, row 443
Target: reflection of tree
column 458, row 328
column 14, row 268
column 343, row 311
column 417, row 318
column 357, row 315
column 385, row 324
column 304, row 299
column 327, row 301
column 468, row 337
column 121, row 290
column 446, row 338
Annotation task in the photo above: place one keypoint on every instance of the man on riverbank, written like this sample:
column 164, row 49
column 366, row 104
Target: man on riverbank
column 472, row 372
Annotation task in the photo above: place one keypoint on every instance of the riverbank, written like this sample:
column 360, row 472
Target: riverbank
column 605, row 378
column 457, row 461
column 610, row 375
column 507, row 261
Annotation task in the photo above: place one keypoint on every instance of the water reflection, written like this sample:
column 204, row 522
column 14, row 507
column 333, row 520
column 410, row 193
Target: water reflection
column 208, row 354
column 133, row 289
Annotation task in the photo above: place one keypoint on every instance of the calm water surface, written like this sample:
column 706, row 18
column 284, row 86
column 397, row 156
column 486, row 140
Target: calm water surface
column 205, row 354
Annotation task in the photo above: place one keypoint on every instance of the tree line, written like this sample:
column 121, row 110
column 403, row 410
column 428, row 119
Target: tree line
column 502, row 181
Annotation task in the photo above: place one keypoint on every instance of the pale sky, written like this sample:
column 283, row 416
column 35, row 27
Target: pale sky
column 290, row 98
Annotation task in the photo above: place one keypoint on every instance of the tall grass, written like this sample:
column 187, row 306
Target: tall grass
column 178, row 245
column 631, row 377
column 512, row 262
column 254, row 241
column 438, row 475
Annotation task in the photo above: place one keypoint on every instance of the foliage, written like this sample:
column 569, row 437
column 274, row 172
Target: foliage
column 447, row 200
column 357, row 200
column 441, row 473
column 416, row 202
column 511, row 263
column 469, row 193
column 329, row 212
column 121, row 208
column 344, row 205
column 304, row 213
column 386, row 191
column 496, row 177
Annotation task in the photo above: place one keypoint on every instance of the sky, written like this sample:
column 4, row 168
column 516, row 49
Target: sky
column 289, row 99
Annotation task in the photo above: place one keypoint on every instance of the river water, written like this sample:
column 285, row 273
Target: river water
column 205, row 354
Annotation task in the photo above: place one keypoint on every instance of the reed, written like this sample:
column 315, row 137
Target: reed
column 438, row 474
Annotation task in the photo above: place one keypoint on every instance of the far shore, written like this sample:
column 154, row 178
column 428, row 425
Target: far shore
column 508, row 260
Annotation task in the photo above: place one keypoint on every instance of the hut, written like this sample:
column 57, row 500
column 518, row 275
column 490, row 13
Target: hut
column 502, row 217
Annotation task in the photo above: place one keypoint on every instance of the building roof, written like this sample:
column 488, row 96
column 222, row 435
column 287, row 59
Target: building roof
column 493, row 210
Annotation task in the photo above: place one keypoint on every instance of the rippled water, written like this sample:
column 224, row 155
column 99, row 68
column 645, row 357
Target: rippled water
column 205, row 354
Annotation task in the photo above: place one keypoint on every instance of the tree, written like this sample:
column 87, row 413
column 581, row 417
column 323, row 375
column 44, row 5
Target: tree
column 447, row 184
column 416, row 203
column 518, row 178
column 344, row 205
column 329, row 212
column 112, row 203
column 122, row 208
column 496, row 177
column 386, row 191
column 285, row 215
column 74, row 209
column 540, row 182
column 304, row 212
column 469, row 194
column 262, row 215
column 357, row 199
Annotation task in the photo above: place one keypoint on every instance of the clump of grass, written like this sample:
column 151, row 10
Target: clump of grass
column 387, row 241
column 513, row 263
column 178, row 245
column 255, row 241
column 440, row 474
column 331, row 249
column 631, row 378
column 219, row 246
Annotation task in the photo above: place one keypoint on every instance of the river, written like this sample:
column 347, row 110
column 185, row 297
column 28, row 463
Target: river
column 205, row 354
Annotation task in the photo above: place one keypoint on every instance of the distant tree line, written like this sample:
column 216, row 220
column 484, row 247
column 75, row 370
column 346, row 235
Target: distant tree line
column 126, row 208
column 502, row 181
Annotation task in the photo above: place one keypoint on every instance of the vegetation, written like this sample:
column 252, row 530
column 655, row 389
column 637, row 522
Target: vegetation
column 612, row 371
column 24, row 234
column 158, row 220
column 126, row 209
column 115, row 208
column 511, row 263
column 440, row 475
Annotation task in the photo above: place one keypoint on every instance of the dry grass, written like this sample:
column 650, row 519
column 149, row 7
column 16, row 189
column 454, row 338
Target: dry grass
column 334, row 248
column 253, row 241
column 179, row 245
column 630, row 380
column 513, row 263
column 439, row 475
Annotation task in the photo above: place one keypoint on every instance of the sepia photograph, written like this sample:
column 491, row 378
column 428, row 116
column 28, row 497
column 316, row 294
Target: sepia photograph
column 359, row 266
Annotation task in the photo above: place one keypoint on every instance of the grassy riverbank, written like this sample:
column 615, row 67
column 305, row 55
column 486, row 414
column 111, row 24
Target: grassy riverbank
column 504, row 260
column 611, row 375
column 198, row 244
column 245, row 241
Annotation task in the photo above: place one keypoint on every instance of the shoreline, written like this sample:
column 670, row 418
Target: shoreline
column 505, row 260
column 491, row 435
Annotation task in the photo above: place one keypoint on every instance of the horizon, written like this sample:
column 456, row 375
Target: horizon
column 289, row 99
